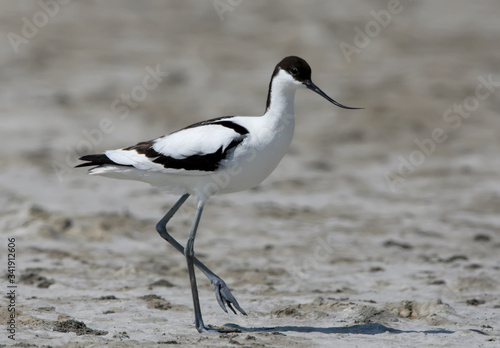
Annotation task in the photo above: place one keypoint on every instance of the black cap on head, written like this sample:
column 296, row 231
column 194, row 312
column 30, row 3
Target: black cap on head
column 300, row 71
column 295, row 66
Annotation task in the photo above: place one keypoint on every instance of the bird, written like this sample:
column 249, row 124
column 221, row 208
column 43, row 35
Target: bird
column 217, row 156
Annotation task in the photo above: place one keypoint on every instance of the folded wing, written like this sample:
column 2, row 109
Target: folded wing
column 197, row 149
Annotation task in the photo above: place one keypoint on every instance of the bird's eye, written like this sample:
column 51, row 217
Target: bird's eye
column 294, row 70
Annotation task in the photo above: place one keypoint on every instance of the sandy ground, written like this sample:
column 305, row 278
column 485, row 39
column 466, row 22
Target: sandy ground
column 380, row 227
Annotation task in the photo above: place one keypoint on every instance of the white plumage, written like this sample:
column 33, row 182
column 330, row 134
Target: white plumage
column 182, row 144
column 187, row 142
column 221, row 155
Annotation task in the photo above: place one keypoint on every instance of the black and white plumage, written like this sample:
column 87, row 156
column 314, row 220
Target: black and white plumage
column 221, row 155
column 175, row 153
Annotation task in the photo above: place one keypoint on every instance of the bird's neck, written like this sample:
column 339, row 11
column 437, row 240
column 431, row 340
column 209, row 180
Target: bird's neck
column 280, row 101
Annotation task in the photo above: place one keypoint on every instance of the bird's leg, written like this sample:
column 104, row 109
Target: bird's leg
column 189, row 253
column 222, row 293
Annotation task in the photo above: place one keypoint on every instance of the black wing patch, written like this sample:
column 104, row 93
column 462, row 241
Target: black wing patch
column 201, row 162
column 205, row 163
column 96, row 160
column 223, row 121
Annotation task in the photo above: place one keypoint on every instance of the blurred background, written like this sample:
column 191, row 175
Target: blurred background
column 73, row 76
column 418, row 165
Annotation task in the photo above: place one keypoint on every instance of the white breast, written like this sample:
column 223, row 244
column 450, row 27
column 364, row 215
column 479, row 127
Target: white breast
column 256, row 158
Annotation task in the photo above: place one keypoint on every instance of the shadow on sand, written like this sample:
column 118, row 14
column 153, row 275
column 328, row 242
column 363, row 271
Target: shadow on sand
column 362, row 329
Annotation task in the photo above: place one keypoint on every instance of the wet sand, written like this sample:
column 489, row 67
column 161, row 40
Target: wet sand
column 379, row 228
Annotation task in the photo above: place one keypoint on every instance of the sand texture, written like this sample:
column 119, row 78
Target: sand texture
column 380, row 227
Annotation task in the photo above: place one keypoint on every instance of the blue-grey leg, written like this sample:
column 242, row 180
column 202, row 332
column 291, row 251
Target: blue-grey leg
column 222, row 293
column 189, row 253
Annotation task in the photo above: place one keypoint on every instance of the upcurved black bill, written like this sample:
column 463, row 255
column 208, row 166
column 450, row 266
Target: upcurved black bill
column 309, row 84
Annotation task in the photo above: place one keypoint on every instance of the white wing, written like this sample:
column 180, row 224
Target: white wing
column 200, row 140
column 193, row 150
